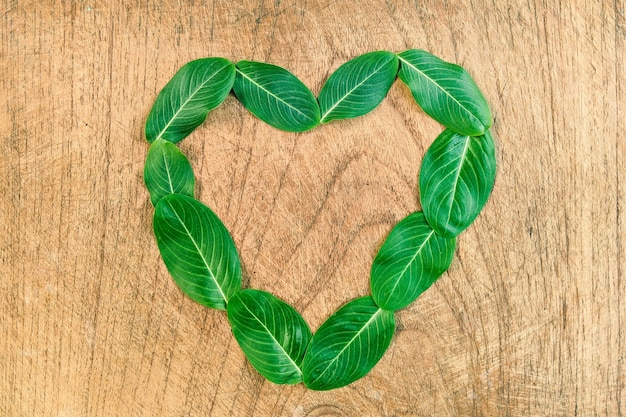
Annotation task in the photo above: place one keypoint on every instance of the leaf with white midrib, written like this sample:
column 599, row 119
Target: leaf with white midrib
column 438, row 86
column 167, row 171
column 181, row 109
column 203, row 257
column 273, row 337
column 456, row 178
column 338, row 355
column 183, row 104
column 271, row 333
column 410, row 260
column 446, row 92
column 276, row 96
column 457, row 175
column 197, row 250
column 358, row 86
column 347, row 345
column 270, row 93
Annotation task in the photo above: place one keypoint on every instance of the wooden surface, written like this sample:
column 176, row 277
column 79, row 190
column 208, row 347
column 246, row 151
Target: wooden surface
column 529, row 319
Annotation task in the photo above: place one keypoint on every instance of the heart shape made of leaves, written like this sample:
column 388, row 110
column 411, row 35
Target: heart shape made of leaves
column 455, row 180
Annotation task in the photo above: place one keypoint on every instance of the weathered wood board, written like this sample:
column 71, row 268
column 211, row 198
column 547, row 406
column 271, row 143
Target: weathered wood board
column 528, row 321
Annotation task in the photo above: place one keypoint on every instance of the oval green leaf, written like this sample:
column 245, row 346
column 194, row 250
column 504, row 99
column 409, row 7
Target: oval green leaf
column 167, row 171
column 347, row 345
column 446, row 92
column 183, row 104
column 271, row 333
column 197, row 250
column 456, row 178
column 358, row 86
column 276, row 96
column 411, row 259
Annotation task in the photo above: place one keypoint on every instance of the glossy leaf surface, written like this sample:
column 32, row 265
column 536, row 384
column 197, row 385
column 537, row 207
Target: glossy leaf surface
column 185, row 101
column 271, row 333
column 167, row 171
column 456, row 178
column 347, row 345
column 197, row 250
column 276, row 96
column 411, row 259
column 446, row 92
column 358, row 86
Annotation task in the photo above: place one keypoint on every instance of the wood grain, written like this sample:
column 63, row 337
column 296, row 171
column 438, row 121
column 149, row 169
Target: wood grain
column 527, row 322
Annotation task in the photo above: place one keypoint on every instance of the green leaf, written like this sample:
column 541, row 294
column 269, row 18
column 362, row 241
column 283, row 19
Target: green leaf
column 271, row 333
column 276, row 96
column 347, row 345
column 411, row 259
column 358, row 86
column 446, row 92
column 456, row 178
column 167, row 171
column 197, row 250
column 185, row 101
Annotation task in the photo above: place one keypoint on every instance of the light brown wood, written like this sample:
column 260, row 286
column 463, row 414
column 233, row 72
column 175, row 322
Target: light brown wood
column 528, row 321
